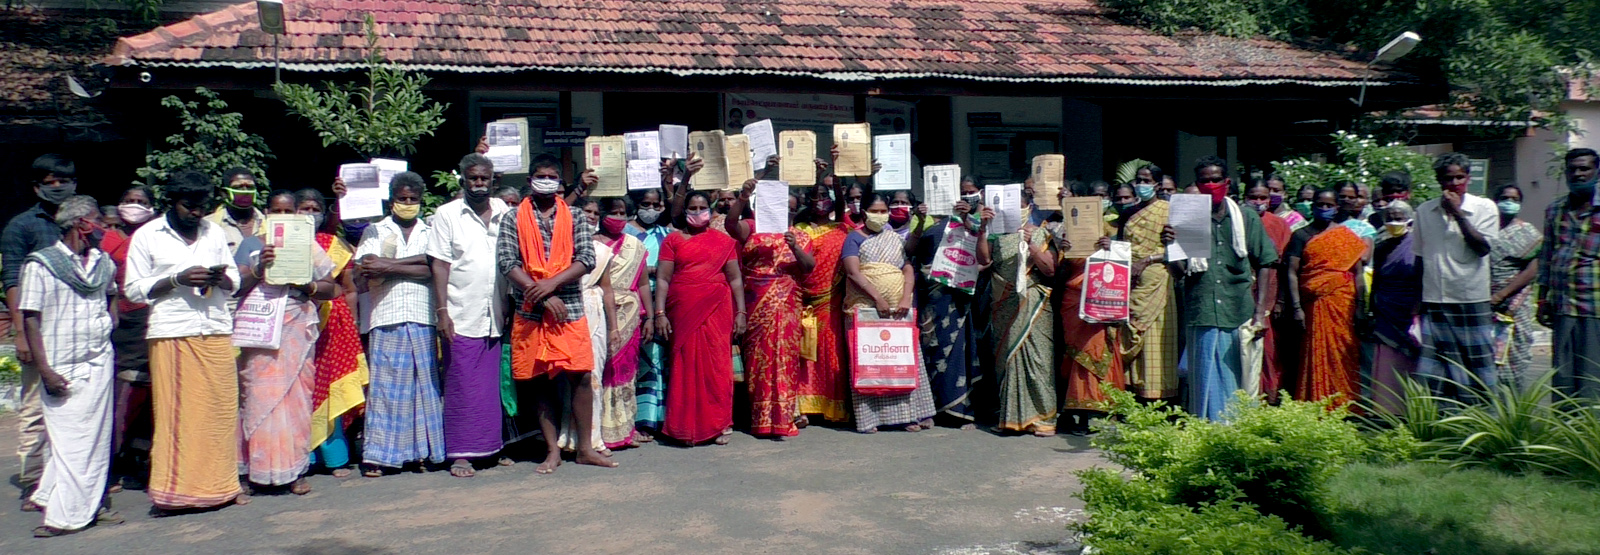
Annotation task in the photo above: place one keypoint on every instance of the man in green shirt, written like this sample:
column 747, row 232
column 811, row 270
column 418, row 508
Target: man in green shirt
column 1216, row 291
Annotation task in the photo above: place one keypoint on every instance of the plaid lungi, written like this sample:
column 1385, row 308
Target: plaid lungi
column 405, row 419
column 1458, row 344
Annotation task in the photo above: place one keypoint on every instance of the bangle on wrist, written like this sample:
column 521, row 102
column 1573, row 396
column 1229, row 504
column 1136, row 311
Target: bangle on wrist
column 174, row 280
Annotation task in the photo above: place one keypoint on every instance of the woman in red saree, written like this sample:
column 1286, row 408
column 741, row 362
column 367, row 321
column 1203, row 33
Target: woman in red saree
column 823, row 383
column 1279, row 230
column 700, row 306
column 1325, row 260
column 1090, row 354
column 770, row 263
column 340, row 360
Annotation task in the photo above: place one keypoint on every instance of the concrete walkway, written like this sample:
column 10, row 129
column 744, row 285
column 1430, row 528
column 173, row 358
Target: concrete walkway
column 943, row 491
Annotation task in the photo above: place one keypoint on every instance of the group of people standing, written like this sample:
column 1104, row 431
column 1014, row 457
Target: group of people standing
column 607, row 323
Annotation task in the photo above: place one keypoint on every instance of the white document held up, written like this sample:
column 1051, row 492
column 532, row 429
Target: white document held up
column 643, row 145
column 942, row 186
column 386, row 169
column 674, row 141
column 1190, row 218
column 894, row 152
column 763, row 143
column 508, row 145
column 363, row 195
column 1006, row 202
column 644, row 174
column 797, row 157
column 772, row 206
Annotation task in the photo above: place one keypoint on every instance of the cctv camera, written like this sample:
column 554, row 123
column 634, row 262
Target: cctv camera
column 144, row 77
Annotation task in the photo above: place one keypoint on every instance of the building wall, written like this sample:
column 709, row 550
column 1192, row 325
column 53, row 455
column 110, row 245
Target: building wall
column 1042, row 114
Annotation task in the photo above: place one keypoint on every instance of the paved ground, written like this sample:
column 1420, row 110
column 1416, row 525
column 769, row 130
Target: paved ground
column 947, row 492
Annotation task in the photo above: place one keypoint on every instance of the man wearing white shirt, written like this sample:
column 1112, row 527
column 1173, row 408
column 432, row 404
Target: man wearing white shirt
column 181, row 266
column 1453, row 235
column 468, row 297
column 404, row 413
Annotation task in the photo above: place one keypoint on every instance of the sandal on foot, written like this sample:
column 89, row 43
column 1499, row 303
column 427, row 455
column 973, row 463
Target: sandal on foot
column 51, row 532
column 300, row 487
column 341, row 472
column 108, row 518
column 372, row 472
column 28, row 506
column 462, row 469
column 505, row 461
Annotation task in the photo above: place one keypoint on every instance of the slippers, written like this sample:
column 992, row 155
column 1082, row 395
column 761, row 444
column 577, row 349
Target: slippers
column 462, row 469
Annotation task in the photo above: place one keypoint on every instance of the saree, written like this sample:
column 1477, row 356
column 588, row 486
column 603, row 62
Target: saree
column 651, row 376
column 1509, row 253
column 1327, row 281
column 1265, row 349
column 823, row 383
column 618, row 406
column 1022, row 328
column 594, row 308
column 1089, row 353
column 194, row 455
column 275, row 401
column 772, row 336
column 949, row 345
column 699, row 393
column 882, row 258
column 1150, row 346
column 341, row 365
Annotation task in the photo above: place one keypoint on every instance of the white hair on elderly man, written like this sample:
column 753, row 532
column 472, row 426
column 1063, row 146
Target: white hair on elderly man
column 76, row 208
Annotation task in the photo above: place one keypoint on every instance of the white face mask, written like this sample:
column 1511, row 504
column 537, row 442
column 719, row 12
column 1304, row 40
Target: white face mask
column 545, row 185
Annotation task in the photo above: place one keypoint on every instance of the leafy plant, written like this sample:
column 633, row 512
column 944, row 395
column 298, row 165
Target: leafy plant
column 10, row 370
column 1364, row 160
column 212, row 141
column 383, row 116
column 146, row 11
column 445, row 185
column 1129, row 170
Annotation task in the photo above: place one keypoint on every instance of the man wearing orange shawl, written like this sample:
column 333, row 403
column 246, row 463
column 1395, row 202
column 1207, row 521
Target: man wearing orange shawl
column 1324, row 262
column 543, row 257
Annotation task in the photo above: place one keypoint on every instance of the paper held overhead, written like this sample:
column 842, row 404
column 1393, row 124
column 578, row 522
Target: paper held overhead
column 942, row 187
column 508, row 145
column 739, row 168
column 1006, row 202
column 1190, row 217
column 387, row 168
column 674, row 142
column 363, row 196
column 797, row 151
column 771, row 206
column 1049, row 171
column 1081, row 223
column 605, row 156
column 708, row 146
column 855, row 149
column 894, row 153
column 644, row 174
column 643, row 145
column 763, row 143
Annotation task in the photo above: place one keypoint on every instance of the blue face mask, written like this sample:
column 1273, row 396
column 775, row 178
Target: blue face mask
column 1509, row 207
column 1584, row 188
column 1145, row 191
column 1324, row 214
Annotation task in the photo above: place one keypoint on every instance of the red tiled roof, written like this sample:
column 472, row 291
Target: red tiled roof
column 1019, row 40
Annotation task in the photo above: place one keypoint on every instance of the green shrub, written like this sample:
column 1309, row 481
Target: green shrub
column 1277, row 459
column 10, row 370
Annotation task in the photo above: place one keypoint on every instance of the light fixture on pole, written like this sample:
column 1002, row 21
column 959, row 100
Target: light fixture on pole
column 1396, row 49
column 269, row 15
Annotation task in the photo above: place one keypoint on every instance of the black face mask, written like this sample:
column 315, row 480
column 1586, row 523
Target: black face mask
column 181, row 224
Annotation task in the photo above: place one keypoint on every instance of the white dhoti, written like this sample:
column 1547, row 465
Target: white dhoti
column 79, row 427
column 594, row 311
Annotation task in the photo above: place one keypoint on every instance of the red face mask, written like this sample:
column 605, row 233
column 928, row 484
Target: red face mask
column 613, row 225
column 899, row 215
column 1461, row 190
column 1218, row 190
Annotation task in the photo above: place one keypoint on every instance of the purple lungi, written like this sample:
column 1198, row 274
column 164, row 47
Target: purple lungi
column 472, row 398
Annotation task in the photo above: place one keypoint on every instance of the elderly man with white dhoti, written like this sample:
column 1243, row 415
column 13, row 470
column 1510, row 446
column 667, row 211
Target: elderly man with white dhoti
column 64, row 300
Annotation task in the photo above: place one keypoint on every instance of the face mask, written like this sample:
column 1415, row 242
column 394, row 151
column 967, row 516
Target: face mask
column 825, row 205
column 1366, row 212
column 875, row 222
column 1397, row 229
column 648, row 216
column 406, row 212
column 351, row 229
column 973, row 199
column 316, row 220
column 1163, row 194
column 240, row 198
column 545, row 186
column 1303, row 207
column 698, row 218
column 899, row 215
column 1218, row 190
column 1584, row 189
column 57, row 194
column 1105, row 204
column 1125, row 209
column 1274, row 200
column 1261, row 207
column 1324, row 214
column 1145, row 191
column 473, row 194
column 1398, row 196
column 95, row 235
column 613, row 225
column 135, row 214
column 1509, row 207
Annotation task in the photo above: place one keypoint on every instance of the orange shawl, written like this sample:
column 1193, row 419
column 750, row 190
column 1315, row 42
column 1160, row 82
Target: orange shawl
column 534, row 262
column 551, row 346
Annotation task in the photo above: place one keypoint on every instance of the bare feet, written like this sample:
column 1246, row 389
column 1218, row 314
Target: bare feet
column 551, row 462
column 869, row 431
column 506, row 461
column 242, row 499
column 1040, row 432
column 913, row 428
column 108, row 518
column 300, row 487
column 640, row 436
column 462, row 468
column 372, row 472
column 342, row 472
column 969, row 426
column 725, row 437
column 802, row 422
column 28, row 506
column 595, row 458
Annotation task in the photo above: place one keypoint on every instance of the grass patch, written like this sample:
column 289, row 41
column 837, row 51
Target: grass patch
column 1430, row 508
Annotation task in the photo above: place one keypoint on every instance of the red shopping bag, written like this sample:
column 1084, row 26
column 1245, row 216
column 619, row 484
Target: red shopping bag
column 885, row 354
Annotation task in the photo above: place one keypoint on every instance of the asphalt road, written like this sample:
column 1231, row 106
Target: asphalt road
column 945, row 491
